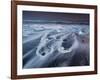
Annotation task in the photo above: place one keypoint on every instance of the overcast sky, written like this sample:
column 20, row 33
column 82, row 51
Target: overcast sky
column 55, row 16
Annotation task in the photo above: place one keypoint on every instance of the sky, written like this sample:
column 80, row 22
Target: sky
column 55, row 16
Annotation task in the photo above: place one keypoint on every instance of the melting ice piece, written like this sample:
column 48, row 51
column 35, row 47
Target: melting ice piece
column 74, row 43
column 42, row 49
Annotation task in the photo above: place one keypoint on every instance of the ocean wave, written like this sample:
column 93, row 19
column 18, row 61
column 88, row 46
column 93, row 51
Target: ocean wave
column 56, row 46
